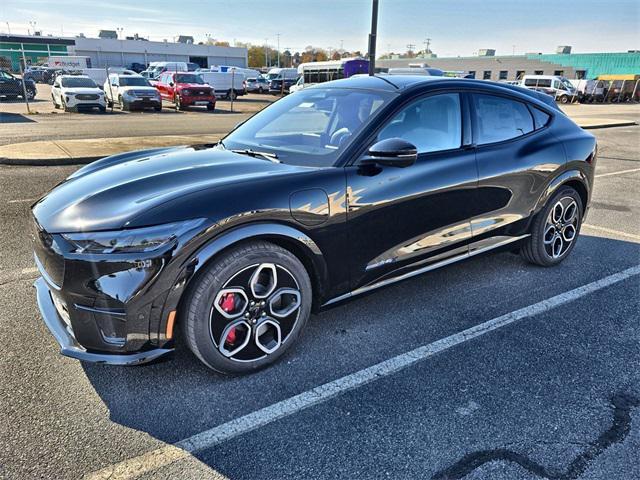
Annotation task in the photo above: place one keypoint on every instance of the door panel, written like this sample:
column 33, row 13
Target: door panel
column 513, row 175
column 401, row 216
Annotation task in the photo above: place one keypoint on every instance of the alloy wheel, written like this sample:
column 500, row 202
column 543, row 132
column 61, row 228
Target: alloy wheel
column 561, row 228
column 254, row 312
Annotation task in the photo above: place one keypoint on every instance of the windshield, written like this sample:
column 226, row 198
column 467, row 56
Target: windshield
column 311, row 128
column 189, row 78
column 78, row 82
column 134, row 82
column 272, row 76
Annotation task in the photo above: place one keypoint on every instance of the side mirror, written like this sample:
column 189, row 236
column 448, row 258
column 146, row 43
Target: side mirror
column 394, row 152
column 171, row 84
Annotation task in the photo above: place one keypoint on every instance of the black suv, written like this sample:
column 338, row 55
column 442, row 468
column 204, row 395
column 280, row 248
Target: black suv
column 11, row 87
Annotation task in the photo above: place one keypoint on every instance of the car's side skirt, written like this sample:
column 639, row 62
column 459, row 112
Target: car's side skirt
column 476, row 248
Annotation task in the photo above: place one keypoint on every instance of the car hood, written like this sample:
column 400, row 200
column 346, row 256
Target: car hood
column 138, row 89
column 194, row 85
column 82, row 91
column 110, row 193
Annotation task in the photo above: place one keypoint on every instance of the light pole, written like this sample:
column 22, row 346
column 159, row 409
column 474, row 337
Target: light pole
column 278, row 35
column 119, row 30
column 372, row 38
column 8, row 28
column 33, row 26
column 266, row 51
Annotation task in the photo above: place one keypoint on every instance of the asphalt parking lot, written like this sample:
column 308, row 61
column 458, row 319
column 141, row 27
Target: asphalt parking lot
column 489, row 369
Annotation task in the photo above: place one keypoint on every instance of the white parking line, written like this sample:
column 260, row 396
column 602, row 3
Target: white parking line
column 620, row 172
column 163, row 456
column 609, row 230
column 17, row 274
column 23, row 200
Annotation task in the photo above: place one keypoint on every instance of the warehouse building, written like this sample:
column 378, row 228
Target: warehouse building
column 113, row 52
column 513, row 67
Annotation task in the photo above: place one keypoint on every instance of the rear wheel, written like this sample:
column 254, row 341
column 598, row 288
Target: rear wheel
column 178, row 103
column 211, row 106
column 247, row 308
column 555, row 230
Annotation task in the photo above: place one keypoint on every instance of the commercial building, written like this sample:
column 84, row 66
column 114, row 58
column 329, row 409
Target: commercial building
column 513, row 67
column 112, row 52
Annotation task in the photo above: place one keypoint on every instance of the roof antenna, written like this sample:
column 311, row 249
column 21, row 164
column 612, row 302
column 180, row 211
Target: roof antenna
column 372, row 38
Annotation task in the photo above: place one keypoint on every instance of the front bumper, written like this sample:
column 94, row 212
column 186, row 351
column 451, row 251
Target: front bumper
column 197, row 100
column 75, row 103
column 69, row 345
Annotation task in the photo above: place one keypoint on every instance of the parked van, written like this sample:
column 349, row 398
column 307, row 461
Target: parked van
column 558, row 87
column 248, row 72
column 221, row 83
column 279, row 76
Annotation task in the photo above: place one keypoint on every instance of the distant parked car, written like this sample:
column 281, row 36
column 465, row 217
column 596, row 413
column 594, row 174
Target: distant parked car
column 72, row 92
column 131, row 91
column 257, row 85
column 278, row 76
column 11, row 86
column 35, row 73
column 186, row 89
column 137, row 67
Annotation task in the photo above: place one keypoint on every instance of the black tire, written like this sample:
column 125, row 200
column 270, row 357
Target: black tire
column 178, row 103
column 109, row 104
column 200, row 317
column 564, row 99
column 534, row 250
column 211, row 107
column 158, row 108
column 231, row 94
column 102, row 109
column 260, row 90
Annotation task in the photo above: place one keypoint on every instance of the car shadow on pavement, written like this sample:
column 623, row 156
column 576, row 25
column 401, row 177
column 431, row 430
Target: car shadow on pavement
column 177, row 397
column 14, row 118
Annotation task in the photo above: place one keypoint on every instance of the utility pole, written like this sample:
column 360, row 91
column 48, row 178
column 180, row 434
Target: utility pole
column 266, row 50
column 410, row 48
column 119, row 30
column 278, row 35
column 427, row 42
column 33, row 26
column 372, row 38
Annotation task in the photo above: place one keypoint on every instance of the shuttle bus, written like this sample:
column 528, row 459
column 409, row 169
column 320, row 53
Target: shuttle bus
column 318, row 72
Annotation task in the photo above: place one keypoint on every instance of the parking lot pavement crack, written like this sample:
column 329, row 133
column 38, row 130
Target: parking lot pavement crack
column 622, row 404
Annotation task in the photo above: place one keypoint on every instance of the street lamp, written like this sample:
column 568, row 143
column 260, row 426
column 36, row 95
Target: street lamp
column 33, row 26
column 372, row 38
column 119, row 30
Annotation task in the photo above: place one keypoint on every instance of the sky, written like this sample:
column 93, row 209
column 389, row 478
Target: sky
column 456, row 28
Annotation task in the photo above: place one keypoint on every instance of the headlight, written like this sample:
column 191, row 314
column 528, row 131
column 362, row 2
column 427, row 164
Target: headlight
column 129, row 94
column 139, row 240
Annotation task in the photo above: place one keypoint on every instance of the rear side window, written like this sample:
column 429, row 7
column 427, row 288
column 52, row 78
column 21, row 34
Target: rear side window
column 499, row 119
column 540, row 118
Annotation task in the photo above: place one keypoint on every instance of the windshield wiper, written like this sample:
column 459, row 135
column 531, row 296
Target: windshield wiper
column 272, row 157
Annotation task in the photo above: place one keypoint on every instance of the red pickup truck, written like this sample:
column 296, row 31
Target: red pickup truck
column 185, row 89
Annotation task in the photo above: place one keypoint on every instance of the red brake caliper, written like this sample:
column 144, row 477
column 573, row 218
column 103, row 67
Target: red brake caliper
column 228, row 304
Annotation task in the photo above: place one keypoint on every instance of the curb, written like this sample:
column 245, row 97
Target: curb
column 609, row 125
column 48, row 162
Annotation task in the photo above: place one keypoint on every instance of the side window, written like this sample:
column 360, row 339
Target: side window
column 500, row 119
column 539, row 117
column 432, row 124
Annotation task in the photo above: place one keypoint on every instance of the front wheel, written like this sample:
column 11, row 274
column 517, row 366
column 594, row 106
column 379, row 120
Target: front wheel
column 555, row 229
column 247, row 308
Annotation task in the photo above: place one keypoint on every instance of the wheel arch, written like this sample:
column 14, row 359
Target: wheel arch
column 575, row 179
column 291, row 239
